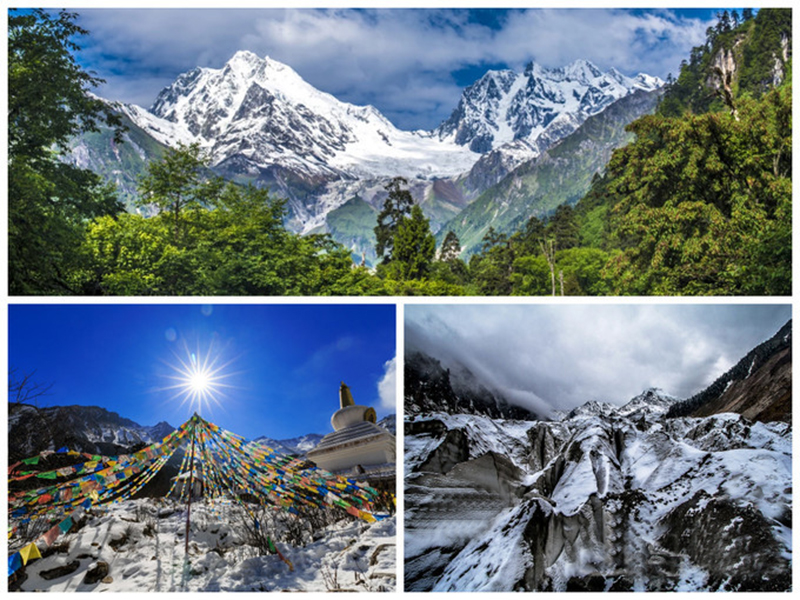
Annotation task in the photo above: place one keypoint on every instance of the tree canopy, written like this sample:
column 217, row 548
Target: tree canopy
column 49, row 201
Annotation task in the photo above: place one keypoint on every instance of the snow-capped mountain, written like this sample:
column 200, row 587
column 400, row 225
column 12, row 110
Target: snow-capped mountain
column 652, row 401
column 296, row 446
column 592, row 408
column 261, row 122
column 257, row 114
column 536, row 107
column 97, row 430
column 299, row 446
column 83, row 428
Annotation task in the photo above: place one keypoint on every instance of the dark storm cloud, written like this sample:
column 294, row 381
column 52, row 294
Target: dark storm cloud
column 403, row 61
column 562, row 356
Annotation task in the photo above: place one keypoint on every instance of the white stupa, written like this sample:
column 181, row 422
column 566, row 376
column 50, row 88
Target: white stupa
column 357, row 448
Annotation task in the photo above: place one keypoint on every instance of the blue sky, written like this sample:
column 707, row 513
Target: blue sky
column 410, row 63
column 284, row 362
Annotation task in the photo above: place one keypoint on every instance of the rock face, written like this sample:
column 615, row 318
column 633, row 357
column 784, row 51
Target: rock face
column 504, row 106
column 432, row 387
column 61, row 571
column 96, row 573
column 83, row 428
column 616, row 500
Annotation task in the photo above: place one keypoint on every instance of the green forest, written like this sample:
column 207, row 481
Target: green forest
column 699, row 203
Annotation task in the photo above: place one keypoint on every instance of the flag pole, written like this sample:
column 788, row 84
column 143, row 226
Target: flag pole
column 191, row 485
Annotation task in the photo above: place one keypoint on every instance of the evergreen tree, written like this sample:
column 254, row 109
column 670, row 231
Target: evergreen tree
column 723, row 22
column 451, row 247
column 491, row 270
column 563, row 227
column 414, row 247
column 396, row 207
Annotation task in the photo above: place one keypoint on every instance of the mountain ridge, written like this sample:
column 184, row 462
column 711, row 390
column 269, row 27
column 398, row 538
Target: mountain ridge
column 262, row 123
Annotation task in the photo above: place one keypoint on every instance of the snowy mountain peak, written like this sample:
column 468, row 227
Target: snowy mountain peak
column 245, row 56
column 503, row 106
column 582, row 71
column 592, row 408
column 257, row 117
column 653, row 401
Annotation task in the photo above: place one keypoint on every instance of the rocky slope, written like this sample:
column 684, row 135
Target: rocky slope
column 617, row 500
column 430, row 387
column 121, row 164
column 759, row 386
column 561, row 174
column 83, row 428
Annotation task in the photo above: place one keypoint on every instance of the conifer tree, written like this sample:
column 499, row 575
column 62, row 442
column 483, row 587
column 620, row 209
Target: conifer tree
column 396, row 207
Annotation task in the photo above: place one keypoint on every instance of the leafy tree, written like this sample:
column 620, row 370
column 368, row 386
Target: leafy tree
column 705, row 202
column 422, row 287
column 396, row 207
column 48, row 92
column 179, row 183
column 238, row 247
column 531, row 276
column 134, row 256
column 414, row 247
column 491, row 270
column 49, row 201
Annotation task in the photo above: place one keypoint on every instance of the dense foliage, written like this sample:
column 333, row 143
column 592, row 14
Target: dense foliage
column 48, row 201
column 698, row 203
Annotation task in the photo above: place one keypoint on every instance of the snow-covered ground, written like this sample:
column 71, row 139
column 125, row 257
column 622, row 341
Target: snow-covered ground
column 620, row 499
column 142, row 542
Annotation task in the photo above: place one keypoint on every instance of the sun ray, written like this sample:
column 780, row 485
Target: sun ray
column 199, row 378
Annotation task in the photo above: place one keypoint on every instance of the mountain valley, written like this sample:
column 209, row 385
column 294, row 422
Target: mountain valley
column 604, row 497
column 261, row 123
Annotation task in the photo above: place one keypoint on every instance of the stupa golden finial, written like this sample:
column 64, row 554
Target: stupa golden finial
column 345, row 397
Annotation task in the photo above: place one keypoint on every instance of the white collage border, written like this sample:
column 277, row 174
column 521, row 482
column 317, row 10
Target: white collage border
column 399, row 302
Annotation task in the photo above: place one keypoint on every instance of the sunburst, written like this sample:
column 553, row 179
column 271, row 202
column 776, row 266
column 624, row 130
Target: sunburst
column 199, row 378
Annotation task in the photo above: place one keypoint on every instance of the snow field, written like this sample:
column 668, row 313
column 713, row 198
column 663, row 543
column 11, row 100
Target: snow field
column 346, row 555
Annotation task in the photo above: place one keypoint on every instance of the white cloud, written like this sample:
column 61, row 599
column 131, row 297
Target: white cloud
column 565, row 355
column 400, row 60
column 387, row 385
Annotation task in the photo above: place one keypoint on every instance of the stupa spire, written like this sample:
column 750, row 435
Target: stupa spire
column 345, row 397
